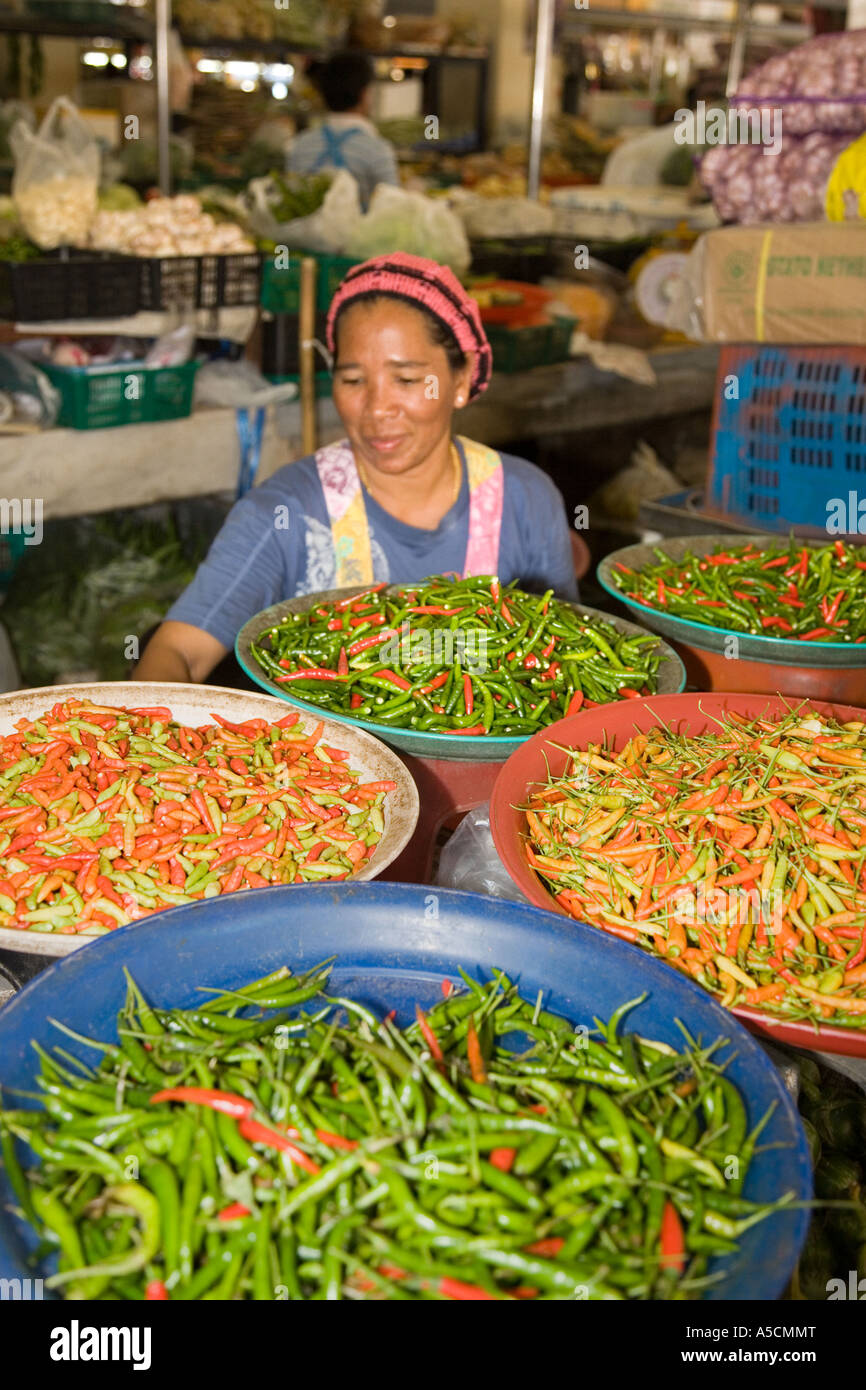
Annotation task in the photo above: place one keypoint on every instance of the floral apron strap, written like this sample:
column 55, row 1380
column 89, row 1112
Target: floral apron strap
column 344, row 500
column 486, row 496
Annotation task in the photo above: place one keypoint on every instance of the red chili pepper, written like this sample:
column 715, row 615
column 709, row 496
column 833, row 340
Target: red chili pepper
column 475, row 1055
column 429, row 1036
column 233, row 1212
column 468, row 696
column 373, row 640
column 629, row 692
column 455, row 1288
column 223, row 1101
column 435, row 608
column 574, row 703
column 436, row 683
column 530, row 661
column 548, row 1248
column 342, row 663
column 833, row 608
column 816, row 632
column 400, row 682
column 368, row 620
column 476, row 729
column 673, row 1245
column 840, row 551
column 312, row 673
column 257, row 1133
column 776, row 622
column 155, row 1291
column 503, row 1159
column 548, row 650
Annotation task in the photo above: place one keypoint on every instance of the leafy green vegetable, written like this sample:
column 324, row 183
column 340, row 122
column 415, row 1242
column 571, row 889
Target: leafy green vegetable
column 76, row 600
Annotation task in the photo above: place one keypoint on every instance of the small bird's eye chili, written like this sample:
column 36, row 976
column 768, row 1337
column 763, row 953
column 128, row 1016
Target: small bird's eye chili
column 107, row 814
column 736, row 855
column 520, row 664
column 824, row 584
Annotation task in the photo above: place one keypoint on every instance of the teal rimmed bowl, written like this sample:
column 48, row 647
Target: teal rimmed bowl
column 480, row 748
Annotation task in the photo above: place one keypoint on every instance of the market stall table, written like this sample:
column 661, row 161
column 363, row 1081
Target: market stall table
column 77, row 472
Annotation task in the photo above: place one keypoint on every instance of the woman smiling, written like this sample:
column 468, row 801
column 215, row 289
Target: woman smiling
column 400, row 498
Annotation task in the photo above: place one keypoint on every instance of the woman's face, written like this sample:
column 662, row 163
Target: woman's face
column 394, row 388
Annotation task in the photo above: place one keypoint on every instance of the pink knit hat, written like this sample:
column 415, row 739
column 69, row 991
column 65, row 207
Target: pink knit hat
column 432, row 286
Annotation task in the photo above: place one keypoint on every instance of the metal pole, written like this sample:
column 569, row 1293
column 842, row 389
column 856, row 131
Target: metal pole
column 540, row 67
column 163, row 103
column 738, row 48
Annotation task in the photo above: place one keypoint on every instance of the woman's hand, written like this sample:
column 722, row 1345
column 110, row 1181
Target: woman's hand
column 179, row 652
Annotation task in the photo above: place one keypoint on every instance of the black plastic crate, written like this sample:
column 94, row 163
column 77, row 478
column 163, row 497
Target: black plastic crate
column 70, row 285
column 525, row 258
column 240, row 279
column 201, row 282
column 169, row 282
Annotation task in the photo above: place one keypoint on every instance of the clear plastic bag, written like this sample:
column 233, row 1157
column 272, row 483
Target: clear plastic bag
column 326, row 231
column 56, row 179
column 411, row 222
column 34, row 399
column 469, row 860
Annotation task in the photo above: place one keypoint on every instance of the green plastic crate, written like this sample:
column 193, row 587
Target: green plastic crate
column 281, row 289
column 520, row 349
column 324, row 382
column 95, row 398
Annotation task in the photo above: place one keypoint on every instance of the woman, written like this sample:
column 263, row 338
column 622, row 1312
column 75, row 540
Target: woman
column 399, row 498
column 346, row 138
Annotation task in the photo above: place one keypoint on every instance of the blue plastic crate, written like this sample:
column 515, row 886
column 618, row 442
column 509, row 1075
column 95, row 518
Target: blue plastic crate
column 789, row 437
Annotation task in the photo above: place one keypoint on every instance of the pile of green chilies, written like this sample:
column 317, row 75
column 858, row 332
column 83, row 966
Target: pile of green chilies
column 467, row 657
column 242, row 1149
column 802, row 593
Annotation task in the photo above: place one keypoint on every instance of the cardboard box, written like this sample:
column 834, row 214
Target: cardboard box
column 785, row 284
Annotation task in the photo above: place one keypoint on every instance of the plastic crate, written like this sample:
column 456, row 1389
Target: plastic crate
column 71, row 285
column 281, row 352
column 792, row 439
column 94, row 398
column 281, row 288
column 201, row 282
column 521, row 349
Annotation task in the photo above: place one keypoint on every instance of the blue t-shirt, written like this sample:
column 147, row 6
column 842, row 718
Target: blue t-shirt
column 276, row 544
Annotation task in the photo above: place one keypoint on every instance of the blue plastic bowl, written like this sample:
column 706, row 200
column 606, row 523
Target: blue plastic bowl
column 394, row 944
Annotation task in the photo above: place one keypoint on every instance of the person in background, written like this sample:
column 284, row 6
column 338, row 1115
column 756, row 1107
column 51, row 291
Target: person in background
column 400, row 498
column 346, row 138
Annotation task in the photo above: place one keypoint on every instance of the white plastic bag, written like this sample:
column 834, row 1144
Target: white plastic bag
column 56, row 180
column 469, row 860
column 326, row 231
column 411, row 222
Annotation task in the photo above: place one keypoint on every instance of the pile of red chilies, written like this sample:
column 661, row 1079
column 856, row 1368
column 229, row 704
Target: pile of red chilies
column 108, row 814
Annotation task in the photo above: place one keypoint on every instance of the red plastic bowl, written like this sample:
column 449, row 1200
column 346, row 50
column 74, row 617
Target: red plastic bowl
column 615, row 725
